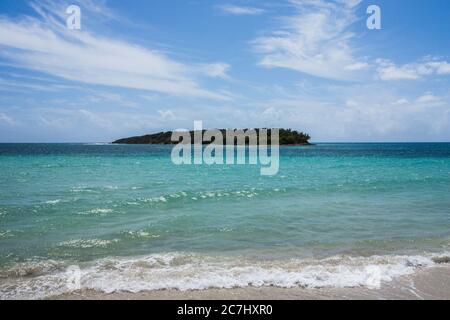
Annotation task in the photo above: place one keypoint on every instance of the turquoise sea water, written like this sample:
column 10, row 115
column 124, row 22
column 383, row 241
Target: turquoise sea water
column 131, row 220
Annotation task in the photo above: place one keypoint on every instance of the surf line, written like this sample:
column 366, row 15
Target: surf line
column 190, row 149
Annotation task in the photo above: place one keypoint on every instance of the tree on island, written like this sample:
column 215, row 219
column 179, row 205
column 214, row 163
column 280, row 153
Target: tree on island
column 286, row 137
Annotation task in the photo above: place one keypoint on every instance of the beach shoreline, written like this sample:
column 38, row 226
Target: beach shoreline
column 425, row 284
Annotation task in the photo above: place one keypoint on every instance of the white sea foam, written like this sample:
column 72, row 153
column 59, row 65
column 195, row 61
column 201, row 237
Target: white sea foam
column 93, row 189
column 142, row 234
column 52, row 202
column 196, row 272
column 98, row 144
column 100, row 211
column 5, row 234
column 204, row 195
column 89, row 243
column 80, row 189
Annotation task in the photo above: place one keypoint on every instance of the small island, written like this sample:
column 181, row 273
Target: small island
column 288, row 137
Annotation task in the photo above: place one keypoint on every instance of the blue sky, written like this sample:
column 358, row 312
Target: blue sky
column 143, row 66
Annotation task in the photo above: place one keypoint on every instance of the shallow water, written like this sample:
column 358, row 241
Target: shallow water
column 97, row 205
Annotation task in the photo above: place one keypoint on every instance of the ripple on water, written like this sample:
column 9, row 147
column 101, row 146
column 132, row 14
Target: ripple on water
column 86, row 244
column 92, row 189
column 204, row 195
column 141, row 234
column 5, row 234
column 97, row 211
column 53, row 202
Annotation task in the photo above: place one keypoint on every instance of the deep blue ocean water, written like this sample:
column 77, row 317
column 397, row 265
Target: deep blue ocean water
column 132, row 220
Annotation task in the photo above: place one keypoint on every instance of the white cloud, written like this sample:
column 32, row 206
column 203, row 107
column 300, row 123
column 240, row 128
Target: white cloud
column 113, row 98
column 9, row 84
column 401, row 102
column 238, row 10
column 351, row 103
column 45, row 45
column 358, row 112
column 99, row 120
column 430, row 100
column 364, row 112
column 7, row 119
column 315, row 41
column 272, row 114
column 357, row 66
column 388, row 71
column 440, row 67
column 215, row 70
column 69, row 120
column 166, row 114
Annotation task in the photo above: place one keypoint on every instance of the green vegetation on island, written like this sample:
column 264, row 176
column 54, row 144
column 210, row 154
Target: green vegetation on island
column 286, row 136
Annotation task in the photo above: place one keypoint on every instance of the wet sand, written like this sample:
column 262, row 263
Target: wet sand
column 426, row 284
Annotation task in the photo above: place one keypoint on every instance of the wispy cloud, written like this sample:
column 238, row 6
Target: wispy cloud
column 112, row 124
column 93, row 11
column 215, row 70
column 110, row 97
column 316, row 40
column 388, row 71
column 166, row 114
column 12, row 84
column 241, row 11
column 430, row 100
column 7, row 120
column 44, row 44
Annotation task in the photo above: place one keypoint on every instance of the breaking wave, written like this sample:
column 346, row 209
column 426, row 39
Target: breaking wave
column 204, row 195
column 183, row 271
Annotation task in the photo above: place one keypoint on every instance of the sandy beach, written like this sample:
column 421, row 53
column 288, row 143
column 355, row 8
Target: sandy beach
column 426, row 284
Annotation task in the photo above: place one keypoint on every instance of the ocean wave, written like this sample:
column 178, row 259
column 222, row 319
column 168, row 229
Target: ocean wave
column 183, row 271
column 98, row 144
column 86, row 244
column 53, row 202
column 96, row 211
column 93, row 189
column 5, row 234
column 81, row 189
column 204, row 195
column 140, row 234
